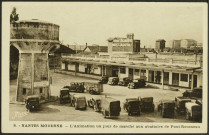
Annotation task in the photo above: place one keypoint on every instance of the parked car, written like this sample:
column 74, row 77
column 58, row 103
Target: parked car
column 132, row 106
column 93, row 88
column 95, row 103
column 32, row 103
column 193, row 111
column 113, row 80
column 180, row 104
column 103, row 79
column 79, row 102
column 76, row 87
column 64, row 95
column 166, row 108
column 147, row 104
column 196, row 92
column 110, row 107
column 124, row 81
column 137, row 83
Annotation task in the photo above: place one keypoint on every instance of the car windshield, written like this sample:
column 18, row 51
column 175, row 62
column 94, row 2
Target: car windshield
column 65, row 92
column 33, row 100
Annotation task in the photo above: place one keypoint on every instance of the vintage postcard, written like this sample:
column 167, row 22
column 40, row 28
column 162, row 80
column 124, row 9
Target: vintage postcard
column 104, row 67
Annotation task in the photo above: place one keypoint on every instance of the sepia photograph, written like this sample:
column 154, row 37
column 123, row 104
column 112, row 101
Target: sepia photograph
column 104, row 67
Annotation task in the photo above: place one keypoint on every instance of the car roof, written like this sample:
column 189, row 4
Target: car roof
column 167, row 101
column 32, row 96
column 78, row 96
column 131, row 98
column 64, row 89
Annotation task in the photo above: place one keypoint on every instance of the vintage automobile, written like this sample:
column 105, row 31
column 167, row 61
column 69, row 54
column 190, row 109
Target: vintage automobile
column 113, row 80
column 124, row 81
column 95, row 103
column 196, row 92
column 110, row 107
column 103, row 79
column 137, row 83
column 64, row 95
column 32, row 102
column 193, row 111
column 132, row 106
column 78, row 101
column 180, row 104
column 147, row 104
column 94, row 88
column 166, row 108
column 76, row 87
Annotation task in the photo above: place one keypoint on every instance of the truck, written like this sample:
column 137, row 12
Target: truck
column 94, row 88
column 64, row 95
column 196, row 92
column 78, row 101
column 180, row 104
column 147, row 104
column 166, row 108
column 132, row 106
column 95, row 103
column 193, row 111
column 76, row 87
column 110, row 107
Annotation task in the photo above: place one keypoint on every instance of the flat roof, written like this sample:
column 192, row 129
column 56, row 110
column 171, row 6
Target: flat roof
column 141, row 65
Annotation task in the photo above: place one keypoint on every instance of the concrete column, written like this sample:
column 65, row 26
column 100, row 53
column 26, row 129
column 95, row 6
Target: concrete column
column 162, row 78
column 102, row 70
column 32, row 74
column 147, row 74
column 192, row 81
column 170, row 78
column 48, row 76
column 19, row 65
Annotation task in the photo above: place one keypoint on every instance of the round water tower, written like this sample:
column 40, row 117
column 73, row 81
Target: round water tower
column 34, row 39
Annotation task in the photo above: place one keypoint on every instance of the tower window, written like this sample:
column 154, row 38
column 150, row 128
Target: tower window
column 41, row 90
column 24, row 91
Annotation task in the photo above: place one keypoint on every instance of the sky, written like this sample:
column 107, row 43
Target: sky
column 94, row 23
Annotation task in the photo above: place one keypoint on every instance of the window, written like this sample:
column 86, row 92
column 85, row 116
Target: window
column 43, row 77
column 136, row 72
column 122, row 70
column 184, row 77
column 41, row 90
column 24, row 91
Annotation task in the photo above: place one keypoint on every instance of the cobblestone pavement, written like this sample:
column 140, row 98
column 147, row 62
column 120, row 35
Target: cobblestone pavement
column 54, row 111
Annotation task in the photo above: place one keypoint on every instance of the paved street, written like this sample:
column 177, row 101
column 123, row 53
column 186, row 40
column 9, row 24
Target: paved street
column 54, row 111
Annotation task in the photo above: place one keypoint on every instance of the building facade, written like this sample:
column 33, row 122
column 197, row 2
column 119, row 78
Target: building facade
column 188, row 43
column 168, row 73
column 175, row 44
column 160, row 45
column 123, row 45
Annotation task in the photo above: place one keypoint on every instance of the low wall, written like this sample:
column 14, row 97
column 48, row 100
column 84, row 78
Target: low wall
column 78, row 74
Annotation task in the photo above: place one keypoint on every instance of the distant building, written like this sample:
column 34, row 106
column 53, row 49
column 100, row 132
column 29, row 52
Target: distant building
column 77, row 48
column 123, row 45
column 175, row 44
column 187, row 43
column 94, row 49
column 160, row 45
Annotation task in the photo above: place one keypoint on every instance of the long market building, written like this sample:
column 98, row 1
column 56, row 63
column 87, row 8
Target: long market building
column 165, row 72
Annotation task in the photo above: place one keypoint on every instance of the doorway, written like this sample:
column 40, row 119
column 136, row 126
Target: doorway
column 130, row 73
column 175, row 79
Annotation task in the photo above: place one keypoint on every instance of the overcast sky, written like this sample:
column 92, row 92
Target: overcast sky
column 94, row 23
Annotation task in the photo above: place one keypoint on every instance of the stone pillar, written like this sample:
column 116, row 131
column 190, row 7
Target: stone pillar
column 192, row 81
column 170, row 78
column 162, row 79
column 147, row 74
